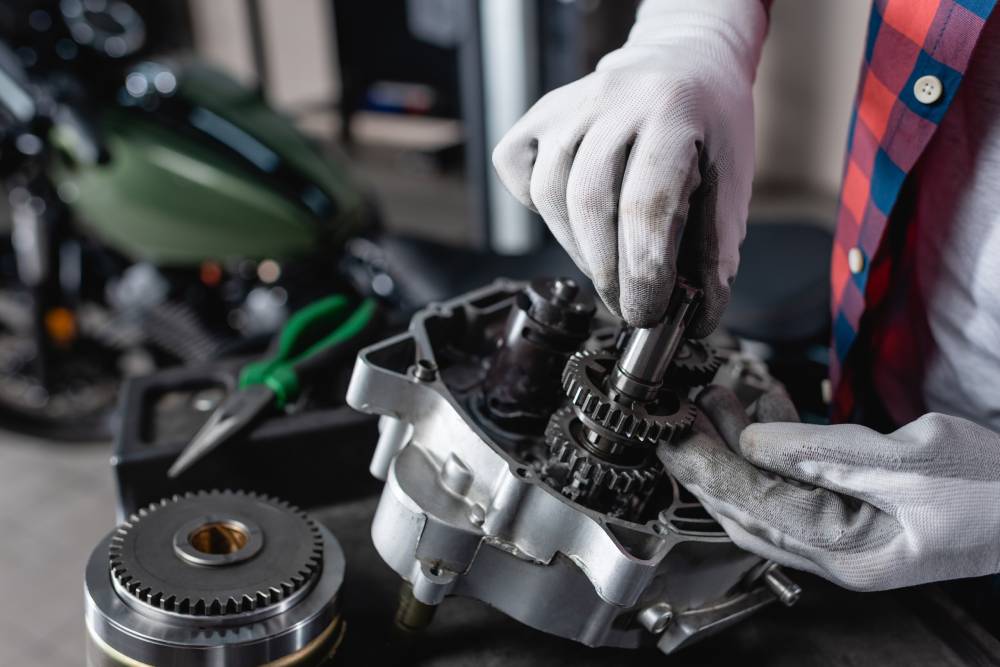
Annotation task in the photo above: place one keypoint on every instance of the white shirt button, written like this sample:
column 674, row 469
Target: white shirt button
column 855, row 260
column 928, row 89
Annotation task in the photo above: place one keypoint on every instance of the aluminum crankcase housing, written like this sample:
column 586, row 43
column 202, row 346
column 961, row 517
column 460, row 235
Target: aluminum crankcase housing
column 461, row 514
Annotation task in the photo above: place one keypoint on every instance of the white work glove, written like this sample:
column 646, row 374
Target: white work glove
column 864, row 510
column 654, row 145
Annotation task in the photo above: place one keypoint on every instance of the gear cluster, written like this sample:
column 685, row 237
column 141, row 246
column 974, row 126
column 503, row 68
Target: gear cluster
column 586, row 469
column 145, row 562
column 600, row 446
column 584, row 379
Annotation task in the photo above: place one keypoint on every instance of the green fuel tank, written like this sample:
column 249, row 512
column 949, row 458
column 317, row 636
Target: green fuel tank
column 196, row 167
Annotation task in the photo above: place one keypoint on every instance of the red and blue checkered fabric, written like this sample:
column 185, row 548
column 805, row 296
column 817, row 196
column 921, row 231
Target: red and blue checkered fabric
column 890, row 127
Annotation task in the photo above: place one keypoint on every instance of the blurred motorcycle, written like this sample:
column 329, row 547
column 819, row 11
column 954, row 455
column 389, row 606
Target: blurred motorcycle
column 160, row 213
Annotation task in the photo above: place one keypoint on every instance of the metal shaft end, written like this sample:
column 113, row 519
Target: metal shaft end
column 648, row 353
column 655, row 618
column 783, row 588
column 412, row 615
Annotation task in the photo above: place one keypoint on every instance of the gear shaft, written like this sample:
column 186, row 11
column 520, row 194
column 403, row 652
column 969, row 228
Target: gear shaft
column 621, row 406
column 648, row 352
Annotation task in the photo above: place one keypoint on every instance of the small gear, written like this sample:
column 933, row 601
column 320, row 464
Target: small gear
column 215, row 553
column 583, row 381
column 694, row 364
column 563, row 449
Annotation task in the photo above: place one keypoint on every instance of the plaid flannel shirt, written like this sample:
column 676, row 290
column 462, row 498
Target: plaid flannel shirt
column 890, row 127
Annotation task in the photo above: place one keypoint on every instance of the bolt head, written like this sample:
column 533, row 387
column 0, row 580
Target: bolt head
column 477, row 515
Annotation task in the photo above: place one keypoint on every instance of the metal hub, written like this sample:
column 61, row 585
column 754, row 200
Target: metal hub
column 257, row 574
column 202, row 554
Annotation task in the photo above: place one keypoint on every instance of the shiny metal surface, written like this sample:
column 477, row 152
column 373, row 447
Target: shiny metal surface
column 464, row 512
column 648, row 353
column 129, row 628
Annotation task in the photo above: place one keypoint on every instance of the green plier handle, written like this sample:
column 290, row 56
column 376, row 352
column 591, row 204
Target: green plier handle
column 307, row 342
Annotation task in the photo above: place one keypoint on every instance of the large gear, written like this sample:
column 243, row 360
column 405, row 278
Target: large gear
column 164, row 556
column 695, row 364
column 584, row 378
column 589, row 468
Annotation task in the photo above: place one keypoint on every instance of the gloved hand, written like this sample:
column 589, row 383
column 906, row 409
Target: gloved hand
column 654, row 145
column 864, row 510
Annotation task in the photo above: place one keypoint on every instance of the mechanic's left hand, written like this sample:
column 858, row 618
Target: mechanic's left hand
column 864, row 510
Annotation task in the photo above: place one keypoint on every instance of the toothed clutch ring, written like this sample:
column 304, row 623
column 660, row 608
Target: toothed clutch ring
column 215, row 578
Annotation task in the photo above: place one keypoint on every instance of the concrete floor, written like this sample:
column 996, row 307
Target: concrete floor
column 56, row 502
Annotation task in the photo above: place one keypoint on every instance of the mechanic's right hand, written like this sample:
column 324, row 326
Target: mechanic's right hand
column 654, row 145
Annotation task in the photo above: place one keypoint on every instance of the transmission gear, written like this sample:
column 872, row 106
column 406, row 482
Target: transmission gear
column 694, row 364
column 215, row 578
column 584, row 379
column 215, row 553
column 589, row 469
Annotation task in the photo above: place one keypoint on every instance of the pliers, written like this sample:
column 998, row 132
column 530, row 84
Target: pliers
column 313, row 340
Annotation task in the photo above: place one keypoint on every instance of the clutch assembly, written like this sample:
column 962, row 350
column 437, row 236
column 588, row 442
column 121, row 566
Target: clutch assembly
column 215, row 578
column 518, row 437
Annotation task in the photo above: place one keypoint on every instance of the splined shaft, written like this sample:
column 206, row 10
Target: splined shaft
column 648, row 353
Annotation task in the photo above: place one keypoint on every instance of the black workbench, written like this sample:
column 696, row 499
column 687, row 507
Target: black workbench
column 829, row 626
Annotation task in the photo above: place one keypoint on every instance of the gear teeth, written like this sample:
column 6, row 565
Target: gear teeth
column 213, row 606
column 589, row 469
column 695, row 364
column 591, row 402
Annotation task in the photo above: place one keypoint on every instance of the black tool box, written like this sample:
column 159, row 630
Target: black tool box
column 316, row 454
